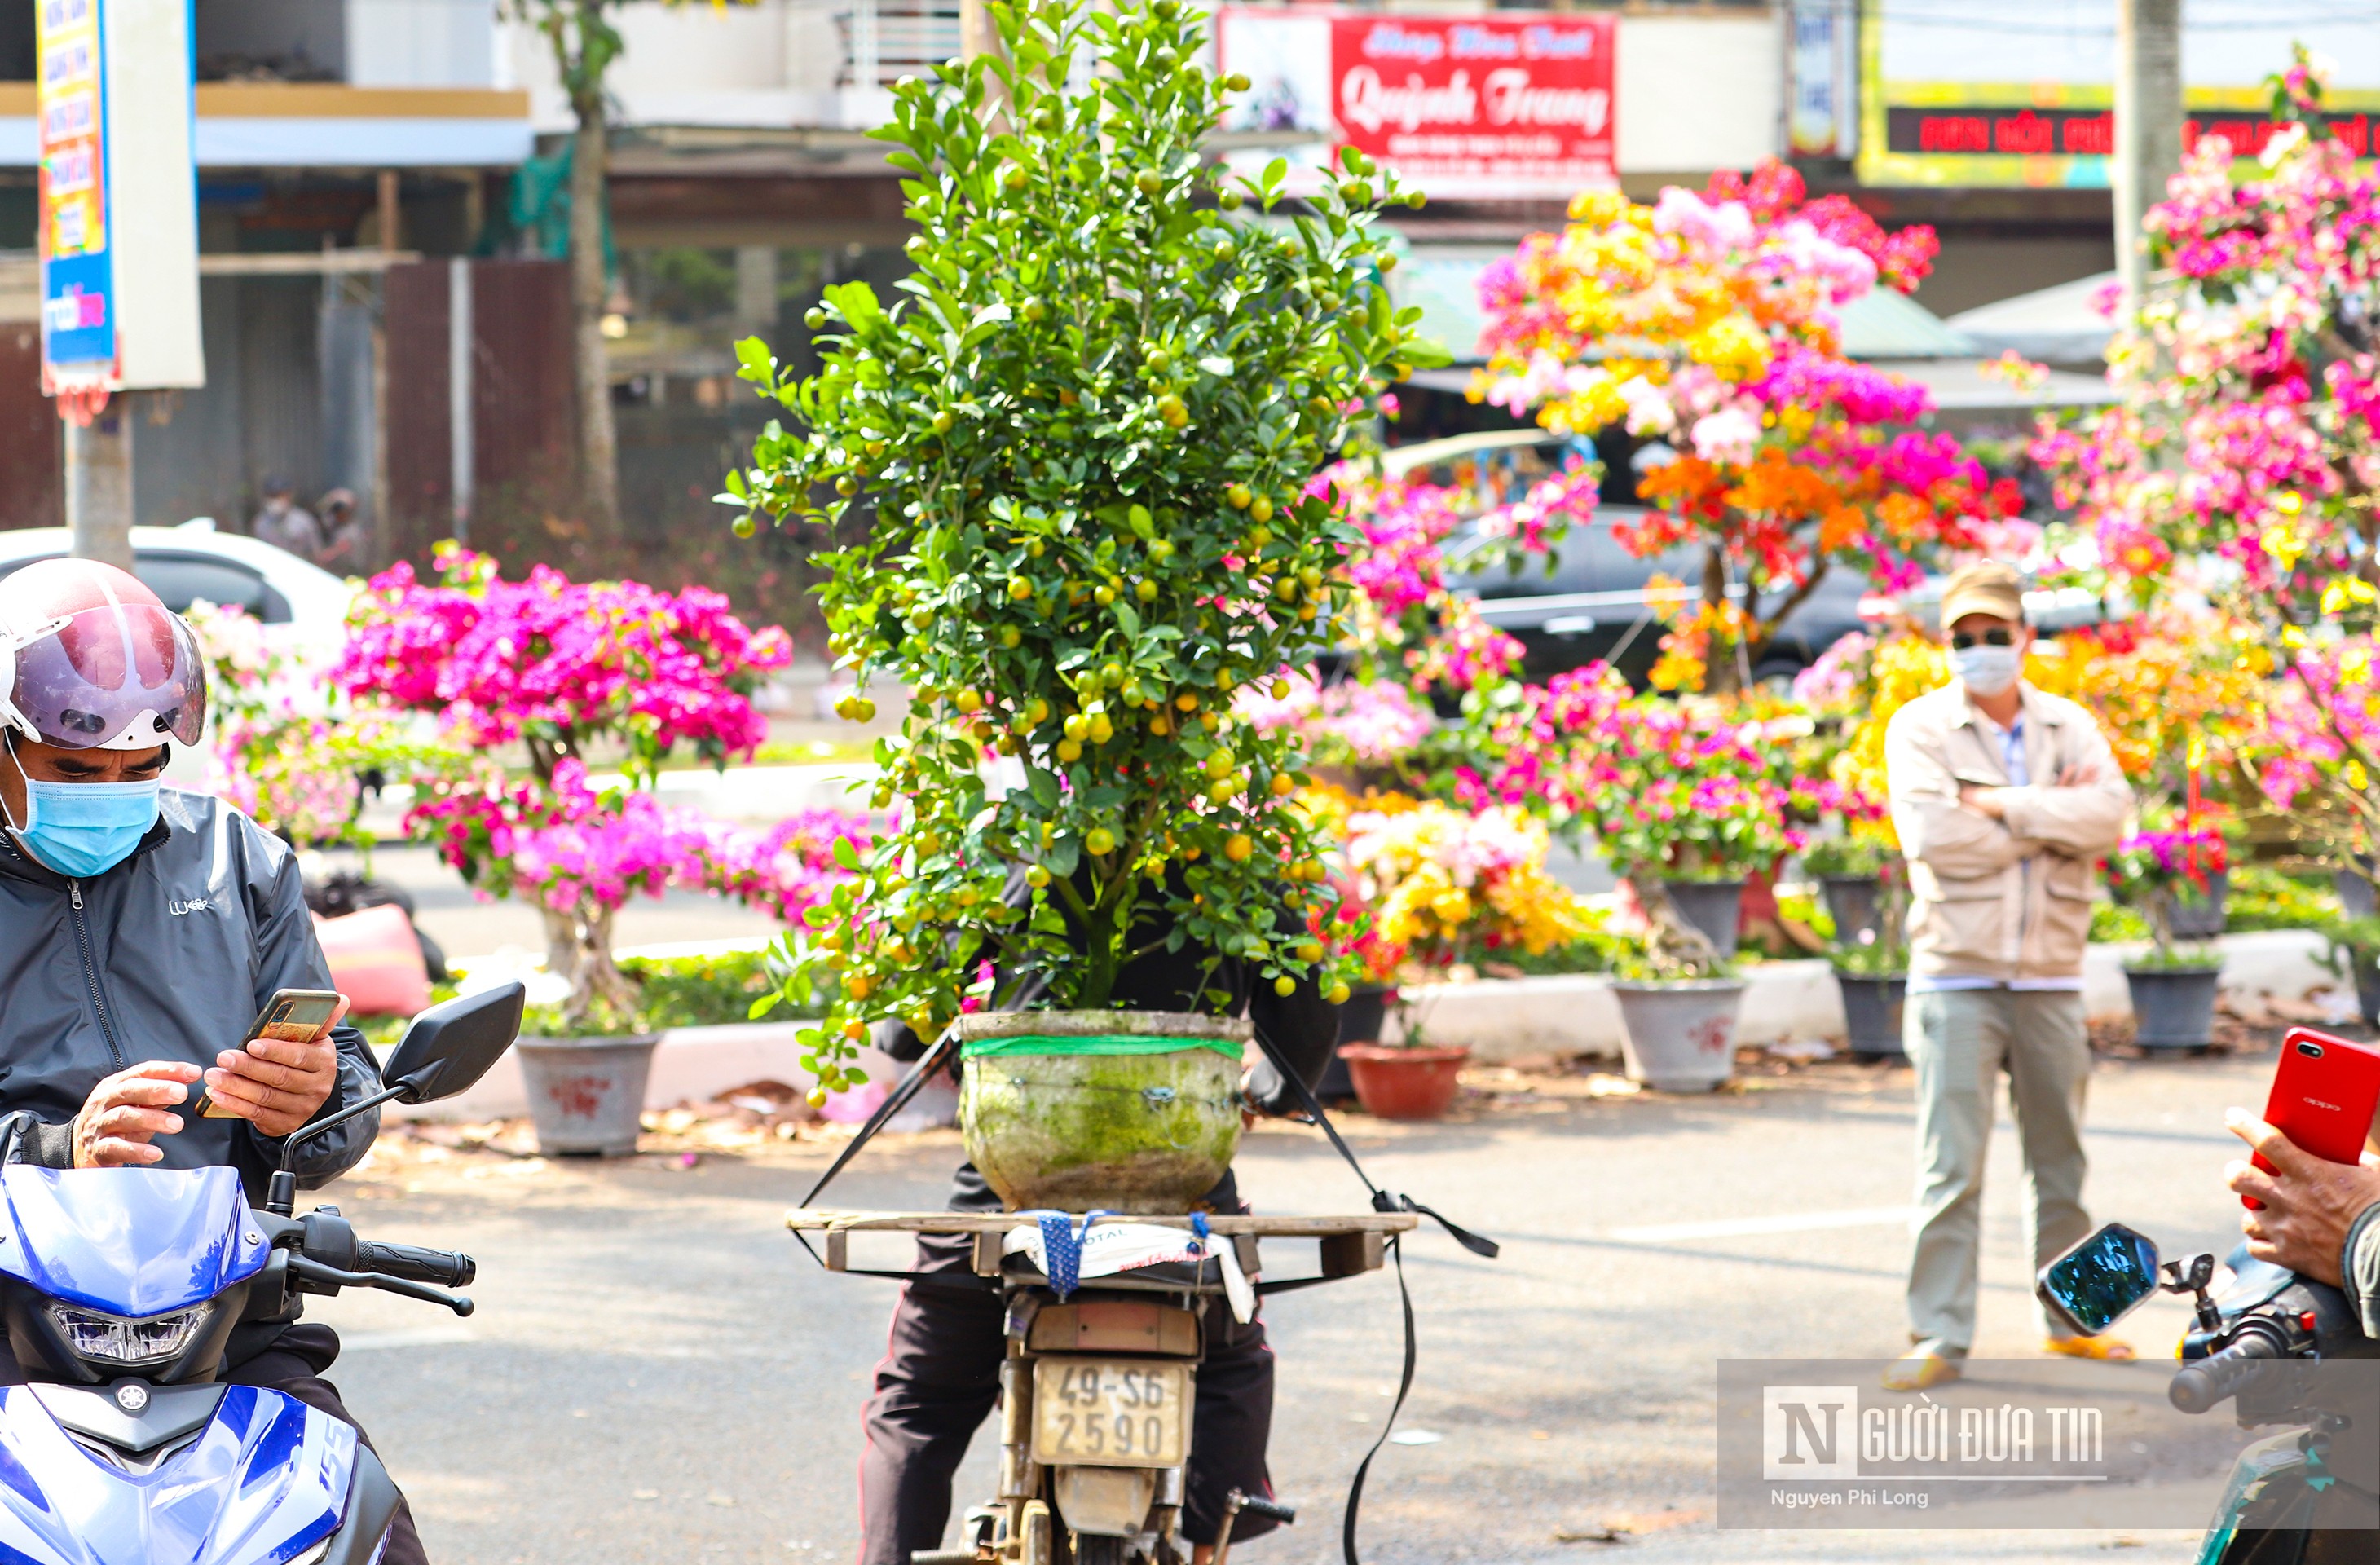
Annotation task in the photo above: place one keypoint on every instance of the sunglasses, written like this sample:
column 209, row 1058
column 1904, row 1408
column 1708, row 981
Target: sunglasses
column 1998, row 635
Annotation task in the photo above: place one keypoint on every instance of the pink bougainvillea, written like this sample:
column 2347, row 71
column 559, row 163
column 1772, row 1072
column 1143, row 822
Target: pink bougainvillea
column 556, row 663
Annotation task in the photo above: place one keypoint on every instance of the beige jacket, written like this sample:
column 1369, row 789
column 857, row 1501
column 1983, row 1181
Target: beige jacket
column 2010, row 899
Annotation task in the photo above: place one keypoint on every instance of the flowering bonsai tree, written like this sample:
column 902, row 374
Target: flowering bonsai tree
column 1083, row 434
column 557, row 666
column 2156, row 866
column 291, row 754
column 1706, row 324
column 2241, row 460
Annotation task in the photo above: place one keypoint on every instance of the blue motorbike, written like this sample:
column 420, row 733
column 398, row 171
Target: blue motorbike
column 121, row 1288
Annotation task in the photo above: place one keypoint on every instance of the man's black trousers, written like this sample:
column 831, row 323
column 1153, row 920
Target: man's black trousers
column 940, row 1379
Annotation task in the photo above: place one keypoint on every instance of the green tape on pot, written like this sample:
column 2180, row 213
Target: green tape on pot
column 1102, row 1043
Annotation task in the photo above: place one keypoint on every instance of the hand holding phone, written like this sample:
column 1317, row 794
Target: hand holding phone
column 290, row 1016
column 2325, row 1092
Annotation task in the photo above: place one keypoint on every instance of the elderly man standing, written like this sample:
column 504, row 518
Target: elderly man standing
column 2004, row 798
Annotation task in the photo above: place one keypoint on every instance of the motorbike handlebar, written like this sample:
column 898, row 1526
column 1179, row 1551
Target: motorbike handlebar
column 1271, row 1510
column 2198, row 1387
column 448, row 1269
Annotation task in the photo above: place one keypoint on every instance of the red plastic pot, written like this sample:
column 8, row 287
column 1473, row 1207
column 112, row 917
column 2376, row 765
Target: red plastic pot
column 1403, row 1084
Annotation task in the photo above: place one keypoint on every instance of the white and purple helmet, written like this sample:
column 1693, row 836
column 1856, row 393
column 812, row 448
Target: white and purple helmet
column 90, row 659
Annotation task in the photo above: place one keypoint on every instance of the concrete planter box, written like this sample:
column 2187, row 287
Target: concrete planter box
column 690, row 1064
column 1504, row 1019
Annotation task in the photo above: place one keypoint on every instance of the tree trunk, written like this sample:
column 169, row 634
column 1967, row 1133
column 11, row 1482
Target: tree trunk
column 1720, row 669
column 1674, row 945
column 579, row 949
column 589, row 287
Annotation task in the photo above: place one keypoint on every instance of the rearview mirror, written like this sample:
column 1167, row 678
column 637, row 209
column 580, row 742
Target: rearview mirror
column 2102, row 1280
column 450, row 1047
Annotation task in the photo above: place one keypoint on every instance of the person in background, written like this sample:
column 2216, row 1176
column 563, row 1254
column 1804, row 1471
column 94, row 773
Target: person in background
column 342, row 532
column 285, row 524
column 2004, row 798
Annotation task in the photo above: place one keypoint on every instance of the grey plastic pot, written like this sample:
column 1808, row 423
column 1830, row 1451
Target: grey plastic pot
column 1715, row 907
column 2366, row 967
column 1680, row 1035
column 2200, row 918
column 1871, row 1013
column 1854, row 902
column 2357, row 897
column 2173, row 1007
column 587, row 1095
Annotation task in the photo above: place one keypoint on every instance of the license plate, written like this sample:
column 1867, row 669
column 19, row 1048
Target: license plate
column 1111, row 1413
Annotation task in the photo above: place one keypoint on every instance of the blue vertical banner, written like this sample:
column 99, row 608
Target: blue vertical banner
column 78, row 316
column 119, row 224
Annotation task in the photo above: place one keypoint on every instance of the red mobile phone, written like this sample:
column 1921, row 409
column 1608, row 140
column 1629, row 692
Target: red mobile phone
column 2324, row 1095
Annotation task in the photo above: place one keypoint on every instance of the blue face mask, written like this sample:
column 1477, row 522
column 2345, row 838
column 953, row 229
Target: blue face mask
column 86, row 828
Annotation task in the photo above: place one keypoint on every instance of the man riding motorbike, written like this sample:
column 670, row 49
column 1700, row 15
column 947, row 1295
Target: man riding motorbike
column 940, row 1373
column 141, row 930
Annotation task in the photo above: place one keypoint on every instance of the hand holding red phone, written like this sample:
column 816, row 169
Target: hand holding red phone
column 2325, row 1091
column 2301, row 1207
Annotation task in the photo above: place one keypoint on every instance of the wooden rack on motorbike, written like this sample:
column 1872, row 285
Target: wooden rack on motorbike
column 1350, row 1244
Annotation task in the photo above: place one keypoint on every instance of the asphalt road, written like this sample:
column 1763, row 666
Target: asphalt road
column 657, row 1373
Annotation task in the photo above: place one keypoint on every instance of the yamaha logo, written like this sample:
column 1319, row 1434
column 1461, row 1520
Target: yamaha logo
column 132, row 1396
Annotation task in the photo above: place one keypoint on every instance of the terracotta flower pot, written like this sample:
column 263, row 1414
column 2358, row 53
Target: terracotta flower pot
column 1403, row 1084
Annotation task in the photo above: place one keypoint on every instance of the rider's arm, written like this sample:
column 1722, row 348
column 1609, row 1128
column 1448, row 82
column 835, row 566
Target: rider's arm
column 25, row 1138
column 2359, row 1268
column 288, row 956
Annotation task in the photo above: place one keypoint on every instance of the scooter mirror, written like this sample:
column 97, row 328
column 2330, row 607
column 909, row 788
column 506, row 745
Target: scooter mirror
column 449, row 1047
column 2100, row 1280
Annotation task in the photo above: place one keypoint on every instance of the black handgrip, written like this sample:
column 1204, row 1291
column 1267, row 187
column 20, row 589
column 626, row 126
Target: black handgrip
column 1271, row 1510
column 2197, row 1386
column 445, row 1267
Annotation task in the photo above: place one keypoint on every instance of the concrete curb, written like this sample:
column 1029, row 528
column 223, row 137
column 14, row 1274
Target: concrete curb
column 1503, row 1019
column 1497, row 1018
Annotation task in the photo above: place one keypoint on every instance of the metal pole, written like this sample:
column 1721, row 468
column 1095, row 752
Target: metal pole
column 458, row 392
column 2148, row 125
column 99, row 484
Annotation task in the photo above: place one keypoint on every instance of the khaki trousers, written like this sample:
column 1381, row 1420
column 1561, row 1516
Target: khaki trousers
column 1960, row 1040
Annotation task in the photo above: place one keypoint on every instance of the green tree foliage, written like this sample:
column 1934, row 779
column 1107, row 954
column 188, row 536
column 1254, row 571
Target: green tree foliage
column 1084, row 435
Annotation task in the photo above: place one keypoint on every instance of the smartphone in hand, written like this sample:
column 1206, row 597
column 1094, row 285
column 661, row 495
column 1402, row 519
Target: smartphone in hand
column 2325, row 1092
column 290, row 1016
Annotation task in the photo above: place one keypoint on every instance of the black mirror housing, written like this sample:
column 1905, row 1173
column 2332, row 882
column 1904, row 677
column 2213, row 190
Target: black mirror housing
column 450, row 1047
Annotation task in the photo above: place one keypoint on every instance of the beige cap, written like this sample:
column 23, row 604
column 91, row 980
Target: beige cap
column 1987, row 586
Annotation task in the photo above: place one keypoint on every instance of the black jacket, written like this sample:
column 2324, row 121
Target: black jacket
column 1303, row 1027
column 169, row 955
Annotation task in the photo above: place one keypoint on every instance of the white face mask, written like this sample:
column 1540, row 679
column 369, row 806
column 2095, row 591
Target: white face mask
column 1985, row 670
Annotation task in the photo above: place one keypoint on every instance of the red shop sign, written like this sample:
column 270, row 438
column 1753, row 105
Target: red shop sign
column 1478, row 105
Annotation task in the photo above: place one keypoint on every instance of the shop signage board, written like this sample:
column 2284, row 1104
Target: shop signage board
column 2021, row 93
column 1513, row 106
column 119, row 197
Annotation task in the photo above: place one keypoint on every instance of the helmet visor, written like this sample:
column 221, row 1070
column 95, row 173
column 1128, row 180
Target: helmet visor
column 125, row 676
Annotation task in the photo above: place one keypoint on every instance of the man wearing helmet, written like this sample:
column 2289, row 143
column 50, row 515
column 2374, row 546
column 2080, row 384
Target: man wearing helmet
column 142, row 929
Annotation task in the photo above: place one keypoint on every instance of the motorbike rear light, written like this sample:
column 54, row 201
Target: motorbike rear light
column 121, row 1339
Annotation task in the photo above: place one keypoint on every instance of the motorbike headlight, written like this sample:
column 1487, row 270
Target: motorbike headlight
column 115, row 1338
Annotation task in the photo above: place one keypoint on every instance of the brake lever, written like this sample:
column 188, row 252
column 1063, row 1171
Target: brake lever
column 315, row 1271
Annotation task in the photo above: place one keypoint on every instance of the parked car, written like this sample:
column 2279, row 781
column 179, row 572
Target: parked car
column 297, row 601
column 1595, row 603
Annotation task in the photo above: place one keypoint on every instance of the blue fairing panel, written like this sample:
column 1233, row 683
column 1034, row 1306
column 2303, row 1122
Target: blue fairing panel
column 132, row 1242
column 266, row 1481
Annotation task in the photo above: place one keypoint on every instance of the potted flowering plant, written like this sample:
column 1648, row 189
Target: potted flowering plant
column 556, row 666
column 1443, row 888
column 2173, row 985
column 1081, row 437
column 1685, row 797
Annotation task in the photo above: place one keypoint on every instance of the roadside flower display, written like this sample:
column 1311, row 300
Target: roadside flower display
column 1705, row 324
column 2239, row 462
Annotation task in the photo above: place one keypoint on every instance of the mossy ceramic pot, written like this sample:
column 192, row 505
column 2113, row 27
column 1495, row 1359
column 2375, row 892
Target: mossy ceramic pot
column 1113, row 1110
